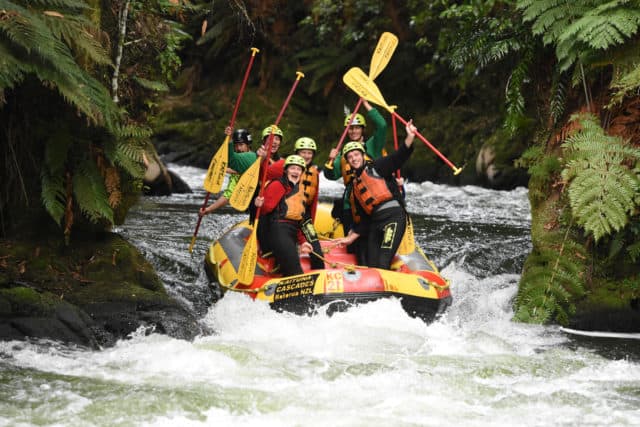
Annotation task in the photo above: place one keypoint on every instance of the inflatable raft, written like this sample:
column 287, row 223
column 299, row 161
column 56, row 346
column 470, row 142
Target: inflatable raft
column 413, row 278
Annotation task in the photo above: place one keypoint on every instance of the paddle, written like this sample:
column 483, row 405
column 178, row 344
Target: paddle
column 247, row 267
column 245, row 187
column 379, row 60
column 408, row 242
column 215, row 174
column 248, row 182
column 362, row 85
column 217, row 168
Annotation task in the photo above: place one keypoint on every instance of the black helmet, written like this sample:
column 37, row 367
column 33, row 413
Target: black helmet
column 241, row 136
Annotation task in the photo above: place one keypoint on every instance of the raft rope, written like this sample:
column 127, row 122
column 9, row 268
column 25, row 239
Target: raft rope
column 350, row 268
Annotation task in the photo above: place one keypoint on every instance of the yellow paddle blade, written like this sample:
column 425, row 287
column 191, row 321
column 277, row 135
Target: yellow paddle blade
column 246, row 187
column 408, row 242
column 361, row 84
column 247, row 267
column 217, row 168
column 381, row 56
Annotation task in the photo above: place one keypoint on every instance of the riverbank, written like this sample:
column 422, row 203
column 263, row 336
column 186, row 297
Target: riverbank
column 92, row 292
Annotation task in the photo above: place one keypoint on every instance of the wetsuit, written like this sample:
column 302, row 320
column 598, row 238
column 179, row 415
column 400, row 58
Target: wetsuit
column 380, row 207
column 279, row 228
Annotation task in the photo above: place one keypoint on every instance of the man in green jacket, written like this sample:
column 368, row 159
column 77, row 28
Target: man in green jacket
column 374, row 147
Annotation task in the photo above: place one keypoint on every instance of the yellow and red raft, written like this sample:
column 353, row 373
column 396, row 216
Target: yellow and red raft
column 413, row 278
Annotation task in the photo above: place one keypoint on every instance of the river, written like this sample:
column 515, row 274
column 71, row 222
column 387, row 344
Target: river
column 370, row 366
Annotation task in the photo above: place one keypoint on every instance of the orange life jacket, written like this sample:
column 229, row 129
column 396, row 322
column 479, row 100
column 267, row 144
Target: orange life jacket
column 347, row 170
column 292, row 206
column 310, row 182
column 370, row 189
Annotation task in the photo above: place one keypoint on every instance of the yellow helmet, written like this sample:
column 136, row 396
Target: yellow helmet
column 276, row 131
column 353, row 145
column 294, row 159
column 304, row 143
column 358, row 120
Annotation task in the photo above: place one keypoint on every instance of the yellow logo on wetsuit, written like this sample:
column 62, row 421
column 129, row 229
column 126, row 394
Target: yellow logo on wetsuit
column 389, row 233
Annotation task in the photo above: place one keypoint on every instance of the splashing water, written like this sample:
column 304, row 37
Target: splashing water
column 370, row 366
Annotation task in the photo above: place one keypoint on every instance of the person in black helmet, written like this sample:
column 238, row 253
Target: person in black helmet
column 241, row 139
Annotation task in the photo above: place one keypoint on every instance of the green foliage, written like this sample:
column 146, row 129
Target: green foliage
column 53, row 195
column 515, row 114
column 602, row 190
column 90, row 192
column 126, row 150
column 340, row 34
column 626, row 78
column 543, row 169
column 169, row 59
column 34, row 43
column 54, row 43
column 582, row 30
column 551, row 280
column 321, row 64
column 483, row 34
column 558, row 97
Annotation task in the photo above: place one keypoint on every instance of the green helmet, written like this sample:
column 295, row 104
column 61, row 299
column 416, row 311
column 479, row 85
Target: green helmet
column 353, row 145
column 294, row 159
column 276, row 131
column 304, row 143
column 358, row 120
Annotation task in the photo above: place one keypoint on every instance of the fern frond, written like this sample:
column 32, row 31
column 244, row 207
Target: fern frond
column 151, row 85
column 53, row 195
column 125, row 150
column 580, row 28
column 515, row 97
column 90, row 193
column 558, row 98
column 74, row 30
column 552, row 281
column 626, row 84
column 602, row 190
column 634, row 251
column 12, row 69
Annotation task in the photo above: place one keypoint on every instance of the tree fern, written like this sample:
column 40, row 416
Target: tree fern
column 580, row 29
column 553, row 281
column 602, row 190
column 34, row 47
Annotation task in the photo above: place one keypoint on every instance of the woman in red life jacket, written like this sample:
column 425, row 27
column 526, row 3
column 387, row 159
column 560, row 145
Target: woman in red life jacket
column 274, row 157
column 378, row 207
column 281, row 216
column 306, row 148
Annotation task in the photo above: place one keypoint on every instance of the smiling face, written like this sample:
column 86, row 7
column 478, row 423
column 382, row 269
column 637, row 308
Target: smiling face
column 355, row 158
column 355, row 132
column 275, row 144
column 307, row 155
column 293, row 173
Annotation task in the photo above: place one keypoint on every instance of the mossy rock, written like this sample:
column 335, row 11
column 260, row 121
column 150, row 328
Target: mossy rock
column 93, row 292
